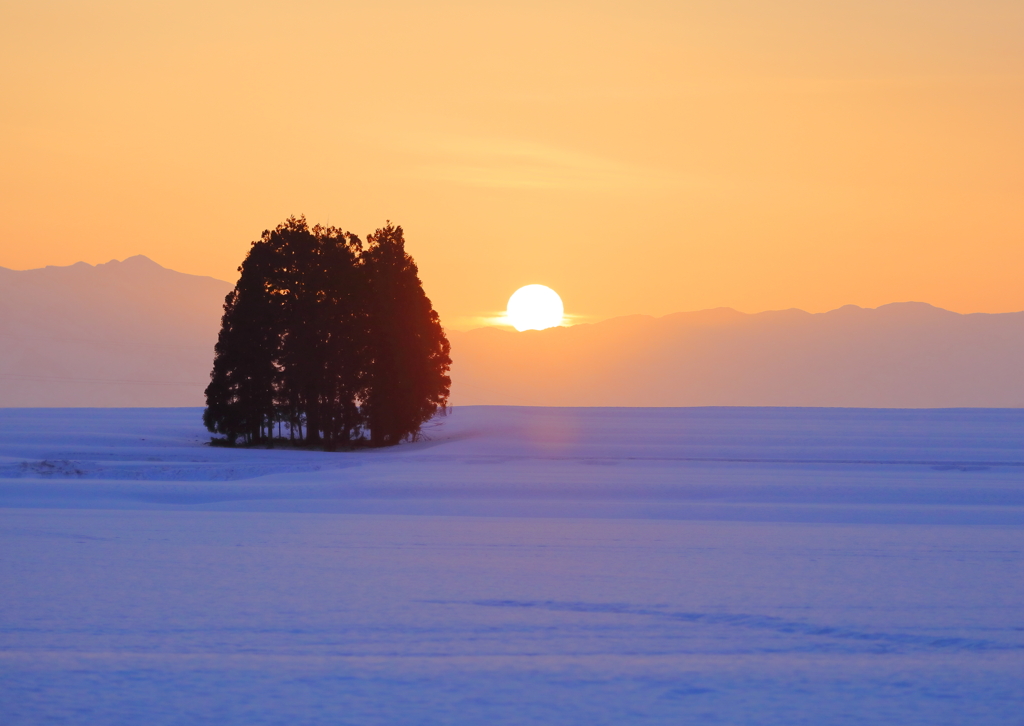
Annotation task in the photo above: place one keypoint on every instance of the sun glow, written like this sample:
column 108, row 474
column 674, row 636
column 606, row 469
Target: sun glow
column 535, row 307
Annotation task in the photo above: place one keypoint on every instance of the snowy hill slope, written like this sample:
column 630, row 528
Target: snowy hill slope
column 844, row 465
column 128, row 333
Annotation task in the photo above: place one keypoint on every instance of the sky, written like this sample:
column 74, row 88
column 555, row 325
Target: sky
column 638, row 157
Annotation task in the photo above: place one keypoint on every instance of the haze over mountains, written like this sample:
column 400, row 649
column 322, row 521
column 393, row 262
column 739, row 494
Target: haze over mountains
column 128, row 333
column 898, row 355
column 134, row 333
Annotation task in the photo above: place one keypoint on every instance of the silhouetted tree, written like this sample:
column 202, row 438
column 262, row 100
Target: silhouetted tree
column 408, row 359
column 320, row 285
column 240, row 397
column 332, row 341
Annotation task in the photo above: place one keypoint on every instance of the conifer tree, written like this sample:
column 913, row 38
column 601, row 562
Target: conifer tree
column 320, row 285
column 240, row 397
column 342, row 325
column 408, row 358
column 332, row 340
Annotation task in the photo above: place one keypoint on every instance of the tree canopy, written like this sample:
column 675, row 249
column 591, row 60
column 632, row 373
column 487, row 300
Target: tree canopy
column 330, row 339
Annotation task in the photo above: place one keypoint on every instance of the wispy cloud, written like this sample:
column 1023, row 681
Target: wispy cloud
column 500, row 319
column 521, row 164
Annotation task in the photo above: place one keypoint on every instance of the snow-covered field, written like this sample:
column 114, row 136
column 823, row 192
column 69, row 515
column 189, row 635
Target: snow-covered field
column 524, row 565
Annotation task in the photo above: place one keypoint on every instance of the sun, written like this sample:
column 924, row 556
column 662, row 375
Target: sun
column 535, row 307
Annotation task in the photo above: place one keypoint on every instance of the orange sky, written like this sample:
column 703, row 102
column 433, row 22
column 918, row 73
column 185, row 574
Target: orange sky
column 638, row 157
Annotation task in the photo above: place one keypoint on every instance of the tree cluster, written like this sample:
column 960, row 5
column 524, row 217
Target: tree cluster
column 330, row 340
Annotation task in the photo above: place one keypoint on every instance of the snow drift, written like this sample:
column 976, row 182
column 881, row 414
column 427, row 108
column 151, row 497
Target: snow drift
column 825, row 465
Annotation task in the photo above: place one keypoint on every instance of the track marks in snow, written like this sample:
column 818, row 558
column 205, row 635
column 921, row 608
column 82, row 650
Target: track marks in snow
column 882, row 641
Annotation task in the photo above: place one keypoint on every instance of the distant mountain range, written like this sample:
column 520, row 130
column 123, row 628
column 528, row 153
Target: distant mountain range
column 128, row 333
column 134, row 333
column 898, row 355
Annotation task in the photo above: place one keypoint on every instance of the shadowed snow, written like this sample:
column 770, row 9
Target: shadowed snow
column 548, row 566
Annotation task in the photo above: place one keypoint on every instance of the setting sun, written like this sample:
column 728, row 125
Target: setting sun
column 535, row 307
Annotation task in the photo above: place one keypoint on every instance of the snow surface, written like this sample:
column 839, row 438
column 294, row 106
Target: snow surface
column 524, row 565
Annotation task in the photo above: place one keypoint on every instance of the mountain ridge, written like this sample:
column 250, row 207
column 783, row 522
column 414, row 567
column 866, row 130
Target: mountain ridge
column 907, row 354
column 135, row 333
column 135, row 261
column 120, row 333
column 738, row 315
